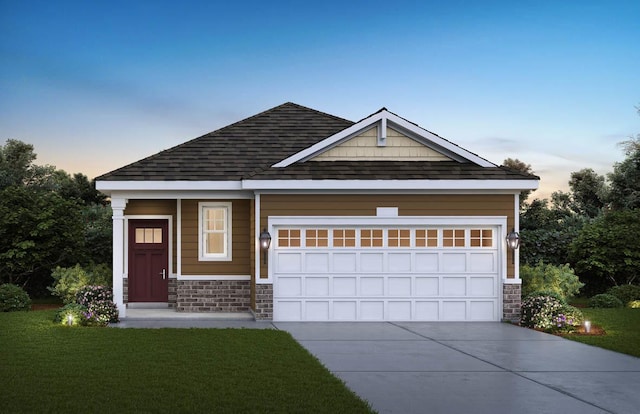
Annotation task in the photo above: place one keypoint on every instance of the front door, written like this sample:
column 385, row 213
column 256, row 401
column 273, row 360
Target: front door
column 148, row 261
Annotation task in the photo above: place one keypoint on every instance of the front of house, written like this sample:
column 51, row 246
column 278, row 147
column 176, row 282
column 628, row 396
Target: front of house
column 378, row 220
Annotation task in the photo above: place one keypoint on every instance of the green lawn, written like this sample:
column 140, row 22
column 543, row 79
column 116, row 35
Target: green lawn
column 46, row 368
column 622, row 326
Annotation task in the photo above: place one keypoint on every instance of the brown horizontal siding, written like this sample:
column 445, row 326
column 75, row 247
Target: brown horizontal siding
column 157, row 208
column 408, row 205
column 240, row 254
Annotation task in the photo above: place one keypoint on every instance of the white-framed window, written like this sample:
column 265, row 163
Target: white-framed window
column 214, row 231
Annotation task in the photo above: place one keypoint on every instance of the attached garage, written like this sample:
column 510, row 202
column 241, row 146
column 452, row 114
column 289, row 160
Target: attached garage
column 387, row 268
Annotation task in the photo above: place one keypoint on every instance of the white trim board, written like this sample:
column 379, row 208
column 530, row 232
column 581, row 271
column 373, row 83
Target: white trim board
column 214, row 277
column 514, row 185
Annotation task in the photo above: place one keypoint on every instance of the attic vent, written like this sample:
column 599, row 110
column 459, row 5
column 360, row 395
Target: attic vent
column 382, row 133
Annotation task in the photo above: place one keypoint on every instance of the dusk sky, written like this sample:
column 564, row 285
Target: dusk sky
column 95, row 85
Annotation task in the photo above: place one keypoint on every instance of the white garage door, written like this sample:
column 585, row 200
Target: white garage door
column 386, row 273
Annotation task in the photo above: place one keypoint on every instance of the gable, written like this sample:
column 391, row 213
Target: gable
column 366, row 147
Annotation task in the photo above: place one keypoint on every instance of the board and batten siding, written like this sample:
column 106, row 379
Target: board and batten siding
column 241, row 245
column 157, row 208
column 408, row 205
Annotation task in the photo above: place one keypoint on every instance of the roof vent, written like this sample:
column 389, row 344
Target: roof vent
column 382, row 132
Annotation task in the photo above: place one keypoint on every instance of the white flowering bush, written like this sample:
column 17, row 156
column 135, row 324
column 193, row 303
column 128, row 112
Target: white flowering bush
column 549, row 314
column 98, row 301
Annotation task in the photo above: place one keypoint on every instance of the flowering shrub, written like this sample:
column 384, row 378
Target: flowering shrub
column 98, row 301
column 68, row 280
column 549, row 314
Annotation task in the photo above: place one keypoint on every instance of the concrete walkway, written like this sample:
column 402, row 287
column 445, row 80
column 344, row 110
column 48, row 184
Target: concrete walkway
column 471, row 368
column 421, row 367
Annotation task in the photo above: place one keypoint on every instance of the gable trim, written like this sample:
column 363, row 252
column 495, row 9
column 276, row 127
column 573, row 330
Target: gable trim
column 515, row 185
column 385, row 117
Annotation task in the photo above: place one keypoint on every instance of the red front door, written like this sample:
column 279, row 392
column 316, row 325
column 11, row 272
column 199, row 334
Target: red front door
column 148, row 261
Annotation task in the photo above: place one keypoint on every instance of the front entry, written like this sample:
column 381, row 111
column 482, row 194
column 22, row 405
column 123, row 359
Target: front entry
column 148, row 261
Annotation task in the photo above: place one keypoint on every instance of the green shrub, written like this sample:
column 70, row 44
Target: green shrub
column 626, row 293
column 13, row 298
column 550, row 278
column 604, row 300
column 634, row 304
column 71, row 314
column 67, row 281
column 550, row 314
column 98, row 301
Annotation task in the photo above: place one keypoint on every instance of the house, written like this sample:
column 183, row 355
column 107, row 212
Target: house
column 295, row 214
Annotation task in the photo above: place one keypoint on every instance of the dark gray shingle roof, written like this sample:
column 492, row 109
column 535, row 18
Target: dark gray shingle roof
column 248, row 148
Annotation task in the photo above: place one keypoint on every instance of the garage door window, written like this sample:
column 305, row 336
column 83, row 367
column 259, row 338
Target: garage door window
column 399, row 238
column 426, row 238
column 481, row 238
column 453, row 238
column 317, row 237
column 344, row 238
column 289, row 238
column 371, row 238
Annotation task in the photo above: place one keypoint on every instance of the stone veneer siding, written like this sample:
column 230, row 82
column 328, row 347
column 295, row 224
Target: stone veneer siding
column 264, row 302
column 125, row 290
column 213, row 296
column 511, row 302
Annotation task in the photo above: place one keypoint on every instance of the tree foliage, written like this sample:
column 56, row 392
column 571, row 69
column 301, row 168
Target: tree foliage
column 549, row 278
column 607, row 251
column 522, row 167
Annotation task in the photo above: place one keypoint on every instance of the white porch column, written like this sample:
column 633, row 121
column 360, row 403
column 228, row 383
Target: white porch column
column 118, row 205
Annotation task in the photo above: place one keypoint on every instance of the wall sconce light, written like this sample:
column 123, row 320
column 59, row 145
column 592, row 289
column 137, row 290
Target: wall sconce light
column 513, row 242
column 265, row 242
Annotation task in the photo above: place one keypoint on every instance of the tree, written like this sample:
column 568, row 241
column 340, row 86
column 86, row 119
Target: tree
column 625, row 181
column 39, row 230
column 589, row 192
column 607, row 251
column 521, row 167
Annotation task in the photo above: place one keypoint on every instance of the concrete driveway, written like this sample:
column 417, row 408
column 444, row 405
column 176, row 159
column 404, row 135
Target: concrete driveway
column 471, row 368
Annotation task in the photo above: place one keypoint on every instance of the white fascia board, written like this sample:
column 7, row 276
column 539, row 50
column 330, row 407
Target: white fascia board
column 173, row 195
column 368, row 122
column 107, row 186
column 518, row 185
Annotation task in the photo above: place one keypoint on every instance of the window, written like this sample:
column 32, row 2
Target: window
column 399, row 238
column 344, row 238
column 371, row 238
column 289, row 238
column 453, row 237
column 427, row 238
column 214, row 230
column 481, row 238
column 145, row 236
column 317, row 238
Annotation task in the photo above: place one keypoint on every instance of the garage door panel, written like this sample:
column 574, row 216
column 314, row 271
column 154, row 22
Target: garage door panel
column 482, row 310
column 454, row 310
column 317, row 310
column 289, row 286
column 482, row 286
column 427, row 286
column 316, row 262
column 344, row 262
column 372, row 310
column 454, row 262
column 427, row 262
column 345, row 310
column 454, row 286
column 427, row 310
column 371, row 262
column 482, row 262
column 399, row 286
column 289, row 262
column 371, row 286
column 345, row 286
column 399, row 262
column 399, row 311
column 288, row 311
column 317, row 286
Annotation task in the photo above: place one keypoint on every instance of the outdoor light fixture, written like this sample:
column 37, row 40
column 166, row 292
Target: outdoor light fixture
column 69, row 319
column 587, row 326
column 513, row 241
column 265, row 242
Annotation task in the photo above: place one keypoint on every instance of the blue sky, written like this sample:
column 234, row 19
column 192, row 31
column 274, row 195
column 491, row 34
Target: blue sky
column 95, row 85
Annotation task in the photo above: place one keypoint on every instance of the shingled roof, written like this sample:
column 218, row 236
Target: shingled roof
column 247, row 150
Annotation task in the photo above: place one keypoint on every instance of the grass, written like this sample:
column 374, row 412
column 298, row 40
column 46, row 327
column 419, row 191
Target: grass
column 48, row 368
column 622, row 327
